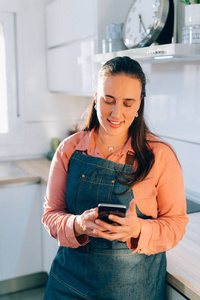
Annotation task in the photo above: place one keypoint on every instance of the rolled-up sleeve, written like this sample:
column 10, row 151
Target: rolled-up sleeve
column 56, row 219
column 161, row 196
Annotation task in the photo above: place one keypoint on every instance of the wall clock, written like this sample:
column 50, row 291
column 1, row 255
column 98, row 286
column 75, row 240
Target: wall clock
column 149, row 21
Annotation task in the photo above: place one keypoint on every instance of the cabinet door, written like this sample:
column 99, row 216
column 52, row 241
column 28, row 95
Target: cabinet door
column 49, row 244
column 20, row 231
column 65, row 74
column 69, row 20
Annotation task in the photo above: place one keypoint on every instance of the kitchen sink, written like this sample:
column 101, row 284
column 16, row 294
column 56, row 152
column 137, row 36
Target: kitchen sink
column 11, row 169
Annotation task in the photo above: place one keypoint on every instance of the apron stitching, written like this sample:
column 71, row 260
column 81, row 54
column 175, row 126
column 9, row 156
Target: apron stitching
column 101, row 165
column 98, row 190
column 80, row 188
column 97, row 253
column 69, row 286
column 110, row 194
column 98, row 182
column 86, row 275
column 143, row 279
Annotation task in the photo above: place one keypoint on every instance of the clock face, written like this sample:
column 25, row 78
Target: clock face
column 145, row 21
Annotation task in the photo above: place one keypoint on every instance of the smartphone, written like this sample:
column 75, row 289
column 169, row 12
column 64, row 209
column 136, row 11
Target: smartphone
column 105, row 209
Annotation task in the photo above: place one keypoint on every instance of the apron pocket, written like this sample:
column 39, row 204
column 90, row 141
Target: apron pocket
column 92, row 191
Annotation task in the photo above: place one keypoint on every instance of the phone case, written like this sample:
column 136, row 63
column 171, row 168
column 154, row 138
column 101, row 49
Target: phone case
column 110, row 209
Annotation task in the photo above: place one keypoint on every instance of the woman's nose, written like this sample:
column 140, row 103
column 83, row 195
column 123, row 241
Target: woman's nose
column 116, row 111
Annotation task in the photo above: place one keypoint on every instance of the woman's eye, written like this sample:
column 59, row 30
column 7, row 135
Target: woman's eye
column 128, row 104
column 108, row 101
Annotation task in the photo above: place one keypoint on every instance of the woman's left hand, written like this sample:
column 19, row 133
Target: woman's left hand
column 129, row 228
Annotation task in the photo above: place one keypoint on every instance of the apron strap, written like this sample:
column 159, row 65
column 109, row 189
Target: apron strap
column 129, row 159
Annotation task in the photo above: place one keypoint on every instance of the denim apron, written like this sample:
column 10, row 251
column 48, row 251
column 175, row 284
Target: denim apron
column 102, row 269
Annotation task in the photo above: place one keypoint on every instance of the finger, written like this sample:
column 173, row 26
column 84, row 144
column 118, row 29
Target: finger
column 132, row 209
column 108, row 235
column 92, row 215
column 117, row 219
column 110, row 227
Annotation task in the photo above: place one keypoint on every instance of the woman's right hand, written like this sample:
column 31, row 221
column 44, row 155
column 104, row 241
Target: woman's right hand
column 85, row 223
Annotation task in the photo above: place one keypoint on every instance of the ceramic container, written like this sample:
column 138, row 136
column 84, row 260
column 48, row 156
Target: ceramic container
column 192, row 14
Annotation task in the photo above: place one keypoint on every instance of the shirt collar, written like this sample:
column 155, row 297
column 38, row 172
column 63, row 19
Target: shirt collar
column 88, row 143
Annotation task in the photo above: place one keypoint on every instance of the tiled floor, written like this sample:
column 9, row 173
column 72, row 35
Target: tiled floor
column 32, row 294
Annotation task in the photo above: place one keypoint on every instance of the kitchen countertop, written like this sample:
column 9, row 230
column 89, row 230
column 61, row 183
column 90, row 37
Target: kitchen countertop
column 35, row 170
column 183, row 261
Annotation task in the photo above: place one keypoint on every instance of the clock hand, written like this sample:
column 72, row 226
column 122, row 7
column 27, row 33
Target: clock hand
column 141, row 23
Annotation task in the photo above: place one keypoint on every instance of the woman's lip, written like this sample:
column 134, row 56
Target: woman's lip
column 114, row 124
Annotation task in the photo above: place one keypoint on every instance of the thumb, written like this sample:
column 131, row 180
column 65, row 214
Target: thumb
column 132, row 209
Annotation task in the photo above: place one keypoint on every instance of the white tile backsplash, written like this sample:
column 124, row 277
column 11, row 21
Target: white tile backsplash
column 173, row 110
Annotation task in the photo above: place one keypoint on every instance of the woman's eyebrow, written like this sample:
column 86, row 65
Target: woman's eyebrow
column 110, row 96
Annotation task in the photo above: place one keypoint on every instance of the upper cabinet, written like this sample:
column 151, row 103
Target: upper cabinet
column 75, row 28
column 70, row 33
column 68, row 21
column 74, row 33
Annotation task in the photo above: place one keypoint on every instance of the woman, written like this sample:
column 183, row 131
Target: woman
column 115, row 159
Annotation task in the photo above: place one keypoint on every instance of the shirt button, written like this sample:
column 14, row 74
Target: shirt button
column 83, row 176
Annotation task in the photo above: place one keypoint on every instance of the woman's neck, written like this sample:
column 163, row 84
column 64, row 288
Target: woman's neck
column 112, row 143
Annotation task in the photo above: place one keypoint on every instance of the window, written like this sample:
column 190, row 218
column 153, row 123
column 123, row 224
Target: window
column 10, row 118
column 3, row 90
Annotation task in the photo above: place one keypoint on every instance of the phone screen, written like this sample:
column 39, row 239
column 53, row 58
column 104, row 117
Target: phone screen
column 104, row 210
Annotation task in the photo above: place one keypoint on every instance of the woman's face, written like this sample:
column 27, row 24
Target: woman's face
column 118, row 99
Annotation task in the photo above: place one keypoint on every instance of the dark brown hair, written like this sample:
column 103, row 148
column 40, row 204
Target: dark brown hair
column 138, row 130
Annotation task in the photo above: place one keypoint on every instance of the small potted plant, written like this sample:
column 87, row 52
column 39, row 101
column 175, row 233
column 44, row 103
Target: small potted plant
column 189, row 2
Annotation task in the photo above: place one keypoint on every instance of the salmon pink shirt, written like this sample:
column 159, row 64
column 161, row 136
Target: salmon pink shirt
column 161, row 196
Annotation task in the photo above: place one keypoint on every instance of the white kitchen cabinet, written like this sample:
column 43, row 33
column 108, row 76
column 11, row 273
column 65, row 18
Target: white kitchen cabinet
column 69, row 20
column 70, row 33
column 75, row 28
column 20, row 231
column 49, row 244
column 64, row 74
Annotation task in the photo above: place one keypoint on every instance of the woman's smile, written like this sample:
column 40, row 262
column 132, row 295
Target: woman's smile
column 115, row 124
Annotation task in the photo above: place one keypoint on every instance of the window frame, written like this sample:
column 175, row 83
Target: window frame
column 15, row 134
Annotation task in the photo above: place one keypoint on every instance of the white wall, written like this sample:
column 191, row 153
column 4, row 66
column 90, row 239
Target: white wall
column 172, row 111
column 45, row 114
